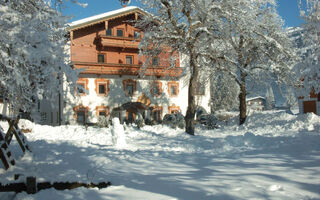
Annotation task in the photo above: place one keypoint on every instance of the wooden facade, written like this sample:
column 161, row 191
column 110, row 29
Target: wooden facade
column 111, row 46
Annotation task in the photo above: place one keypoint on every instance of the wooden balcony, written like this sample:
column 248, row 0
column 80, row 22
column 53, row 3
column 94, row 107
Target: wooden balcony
column 125, row 69
column 122, row 42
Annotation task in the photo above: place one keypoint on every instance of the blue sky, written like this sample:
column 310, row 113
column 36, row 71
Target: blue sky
column 288, row 9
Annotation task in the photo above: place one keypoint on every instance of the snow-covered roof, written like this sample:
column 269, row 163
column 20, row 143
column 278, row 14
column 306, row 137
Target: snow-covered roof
column 253, row 98
column 104, row 16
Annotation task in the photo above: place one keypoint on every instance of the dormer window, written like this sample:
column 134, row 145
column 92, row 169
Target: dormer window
column 129, row 60
column 120, row 32
column 109, row 32
column 100, row 58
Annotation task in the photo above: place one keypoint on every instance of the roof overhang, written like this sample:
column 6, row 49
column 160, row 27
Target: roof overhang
column 89, row 21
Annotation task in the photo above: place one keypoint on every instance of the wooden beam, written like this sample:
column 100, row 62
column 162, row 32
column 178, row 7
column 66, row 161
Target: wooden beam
column 20, row 142
column 106, row 24
column 9, row 134
column 136, row 16
column 71, row 35
column 3, row 159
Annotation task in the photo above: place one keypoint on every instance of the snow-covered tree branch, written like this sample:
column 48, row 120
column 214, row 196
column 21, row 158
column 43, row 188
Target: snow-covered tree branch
column 256, row 42
column 184, row 26
column 309, row 68
column 241, row 38
column 32, row 55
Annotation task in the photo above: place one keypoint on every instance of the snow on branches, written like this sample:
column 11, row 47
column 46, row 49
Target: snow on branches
column 32, row 56
column 309, row 68
column 242, row 38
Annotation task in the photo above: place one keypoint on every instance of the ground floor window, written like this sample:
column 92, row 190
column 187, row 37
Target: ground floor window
column 102, row 111
column 102, row 86
column 129, row 87
column 173, row 109
column 173, row 89
column 82, row 85
column 81, row 114
column 81, row 117
column 156, row 88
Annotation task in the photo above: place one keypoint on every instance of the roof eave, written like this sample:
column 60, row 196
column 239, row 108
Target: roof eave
column 99, row 20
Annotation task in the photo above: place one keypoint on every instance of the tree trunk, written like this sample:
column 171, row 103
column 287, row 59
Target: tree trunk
column 242, row 99
column 191, row 110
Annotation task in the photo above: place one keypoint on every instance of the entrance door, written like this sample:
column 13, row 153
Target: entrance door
column 309, row 106
column 130, row 116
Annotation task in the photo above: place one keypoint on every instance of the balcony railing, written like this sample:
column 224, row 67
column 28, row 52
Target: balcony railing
column 123, row 42
column 126, row 69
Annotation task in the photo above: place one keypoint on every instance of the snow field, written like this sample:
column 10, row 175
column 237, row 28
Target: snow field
column 275, row 155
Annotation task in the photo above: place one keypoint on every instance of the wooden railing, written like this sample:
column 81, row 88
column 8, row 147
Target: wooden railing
column 126, row 69
column 123, row 42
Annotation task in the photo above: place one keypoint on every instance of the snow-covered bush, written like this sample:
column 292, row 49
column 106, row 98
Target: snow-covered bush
column 170, row 120
column 174, row 120
column 103, row 121
column 181, row 123
column 200, row 111
column 210, row 121
column 308, row 70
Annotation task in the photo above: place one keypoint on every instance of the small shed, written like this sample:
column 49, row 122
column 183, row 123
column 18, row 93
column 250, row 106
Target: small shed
column 310, row 103
column 256, row 103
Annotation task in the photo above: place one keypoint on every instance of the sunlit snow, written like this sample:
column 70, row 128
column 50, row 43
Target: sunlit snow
column 275, row 155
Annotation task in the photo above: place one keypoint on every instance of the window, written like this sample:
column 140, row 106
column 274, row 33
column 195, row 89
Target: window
column 102, row 86
column 156, row 89
column 80, row 114
column 129, row 60
column 109, row 32
column 200, row 89
column 102, row 111
column 173, row 109
column 120, row 32
column 82, row 86
column 173, row 89
column 155, row 61
column 129, row 87
column 136, row 34
column 100, row 58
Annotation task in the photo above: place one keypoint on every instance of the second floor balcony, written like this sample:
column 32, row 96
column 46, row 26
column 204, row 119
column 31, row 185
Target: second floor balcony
column 126, row 69
column 122, row 42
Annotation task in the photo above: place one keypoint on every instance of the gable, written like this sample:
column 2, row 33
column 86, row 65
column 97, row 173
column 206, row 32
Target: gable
column 90, row 21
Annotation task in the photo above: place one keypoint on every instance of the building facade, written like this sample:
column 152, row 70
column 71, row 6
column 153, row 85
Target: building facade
column 113, row 81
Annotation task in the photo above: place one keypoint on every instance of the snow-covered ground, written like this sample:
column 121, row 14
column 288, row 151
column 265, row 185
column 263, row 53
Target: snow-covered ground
column 275, row 155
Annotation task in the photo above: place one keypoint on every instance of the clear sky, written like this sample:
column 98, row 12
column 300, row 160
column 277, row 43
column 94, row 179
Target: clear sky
column 288, row 9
